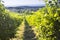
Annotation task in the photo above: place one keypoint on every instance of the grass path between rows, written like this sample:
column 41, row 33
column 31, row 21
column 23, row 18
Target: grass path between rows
column 25, row 32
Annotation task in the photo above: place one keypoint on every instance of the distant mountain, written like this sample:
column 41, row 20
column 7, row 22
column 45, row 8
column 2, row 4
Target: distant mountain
column 22, row 9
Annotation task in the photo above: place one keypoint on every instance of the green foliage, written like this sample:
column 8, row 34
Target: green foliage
column 9, row 25
column 47, row 22
column 9, row 22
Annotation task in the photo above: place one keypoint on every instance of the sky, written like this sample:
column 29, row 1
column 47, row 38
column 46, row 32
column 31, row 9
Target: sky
column 23, row 2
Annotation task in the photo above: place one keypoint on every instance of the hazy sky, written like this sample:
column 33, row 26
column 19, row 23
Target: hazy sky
column 23, row 2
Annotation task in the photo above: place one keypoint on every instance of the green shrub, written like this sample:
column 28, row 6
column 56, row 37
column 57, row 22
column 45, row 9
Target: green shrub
column 9, row 22
column 8, row 25
column 47, row 22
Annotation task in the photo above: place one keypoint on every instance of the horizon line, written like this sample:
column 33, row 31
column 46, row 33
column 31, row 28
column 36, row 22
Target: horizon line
column 25, row 5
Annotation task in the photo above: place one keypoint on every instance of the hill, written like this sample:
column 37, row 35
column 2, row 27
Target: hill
column 22, row 9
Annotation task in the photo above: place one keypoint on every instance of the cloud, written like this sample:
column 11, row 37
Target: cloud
column 22, row 2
